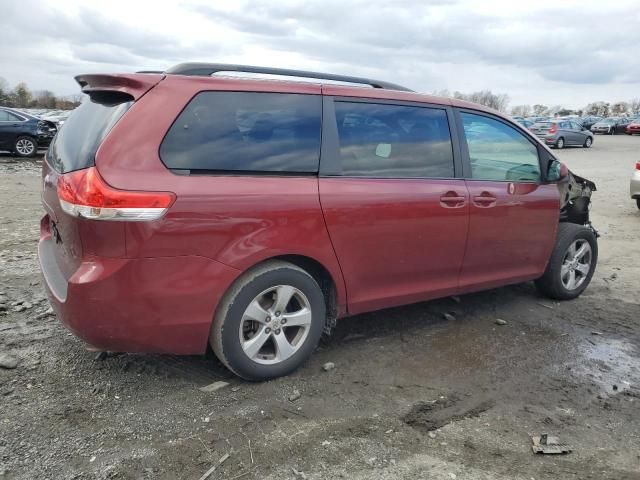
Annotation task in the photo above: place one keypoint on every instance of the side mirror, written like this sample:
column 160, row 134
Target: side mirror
column 556, row 171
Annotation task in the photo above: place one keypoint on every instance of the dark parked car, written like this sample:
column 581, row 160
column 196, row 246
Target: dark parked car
column 562, row 133
column 22, row 133
column 185, row 209
column 588, row 122
column 611, row 126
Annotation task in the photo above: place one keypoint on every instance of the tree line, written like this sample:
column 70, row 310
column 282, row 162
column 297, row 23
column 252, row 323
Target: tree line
column 500, row 102
column 21, row 96
column 600, row 109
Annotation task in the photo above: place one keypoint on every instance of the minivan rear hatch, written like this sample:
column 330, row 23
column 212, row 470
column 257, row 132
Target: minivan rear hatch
column 74, row 149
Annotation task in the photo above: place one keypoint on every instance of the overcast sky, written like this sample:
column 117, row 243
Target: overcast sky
column 552, row 52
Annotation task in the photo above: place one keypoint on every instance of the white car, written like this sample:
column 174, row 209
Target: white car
column 635, row 184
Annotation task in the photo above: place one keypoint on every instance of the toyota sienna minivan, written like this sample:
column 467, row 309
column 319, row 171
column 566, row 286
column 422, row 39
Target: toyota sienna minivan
column 188, row 209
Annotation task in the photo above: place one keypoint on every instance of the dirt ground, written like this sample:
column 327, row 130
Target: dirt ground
column 412, row 395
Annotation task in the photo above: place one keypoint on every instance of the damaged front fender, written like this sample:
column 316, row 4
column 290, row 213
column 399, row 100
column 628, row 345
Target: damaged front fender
column 575, row 199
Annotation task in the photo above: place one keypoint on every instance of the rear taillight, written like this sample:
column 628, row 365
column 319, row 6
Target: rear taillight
column 554, row 128
column 85, row 194
column 637, row 165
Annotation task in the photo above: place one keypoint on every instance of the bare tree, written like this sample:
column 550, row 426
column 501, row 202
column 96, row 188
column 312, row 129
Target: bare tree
column 4, row 92
column 521, row 110
column 497, row 101
column 619, row 108
column 539, row 110
column 634, row 105
column 44, row 99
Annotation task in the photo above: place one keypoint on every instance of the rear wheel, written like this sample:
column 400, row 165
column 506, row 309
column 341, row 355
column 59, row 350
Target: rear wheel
column 560, row 143
column 25, row 147
column 572, row 263
column 588, row 142
column 269, row 322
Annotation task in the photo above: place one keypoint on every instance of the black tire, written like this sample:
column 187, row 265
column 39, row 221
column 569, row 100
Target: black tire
column 638, row 203
column 550, row 284
column 560, row 143
column 19, row 147
column 225, row 339
column 588, row 142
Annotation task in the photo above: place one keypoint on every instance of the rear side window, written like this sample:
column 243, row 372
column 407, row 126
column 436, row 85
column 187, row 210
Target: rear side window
column 498, row 151
column 246, row 132
column 8, row 117
column 393, row 141
column 77, row 142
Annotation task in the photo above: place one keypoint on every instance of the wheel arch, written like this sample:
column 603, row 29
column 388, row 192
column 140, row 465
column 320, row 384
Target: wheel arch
column 331, row 283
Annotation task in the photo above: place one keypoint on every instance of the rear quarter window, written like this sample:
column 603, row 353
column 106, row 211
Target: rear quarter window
column 77, row 142
column 246, row 132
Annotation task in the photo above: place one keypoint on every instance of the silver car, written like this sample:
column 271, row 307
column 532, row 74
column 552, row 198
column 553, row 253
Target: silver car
column 635, row 184
column 561, row 133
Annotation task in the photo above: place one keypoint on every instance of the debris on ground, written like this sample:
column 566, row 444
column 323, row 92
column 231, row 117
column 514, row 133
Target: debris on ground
column 328, row 366
column 8, row 361
column 596, row 333
column 101, row 356
column 436, row 414
column 545, row 305
column 298, row 473
column 456, row 299
column 500, row 321
column 295, row 395
column 450, row 317
column 548, row 444
column 208, row 473
column 214, row 387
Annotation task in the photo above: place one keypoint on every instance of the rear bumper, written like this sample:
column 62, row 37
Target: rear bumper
column 634, row 186
column 162, row 305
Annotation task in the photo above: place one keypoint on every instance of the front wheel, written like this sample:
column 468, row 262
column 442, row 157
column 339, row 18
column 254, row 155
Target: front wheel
column 572, row 263
column 25, row 147
column 588, row 142
column 269, row 322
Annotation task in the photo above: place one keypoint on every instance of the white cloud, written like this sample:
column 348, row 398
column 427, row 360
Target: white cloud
column 569, row 52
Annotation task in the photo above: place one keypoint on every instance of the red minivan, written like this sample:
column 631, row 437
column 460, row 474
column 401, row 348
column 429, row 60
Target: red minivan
column 187, row 208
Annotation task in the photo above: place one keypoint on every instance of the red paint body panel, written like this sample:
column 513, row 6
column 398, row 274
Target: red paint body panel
column 162, row 304
column 511, row 240
column 395, row 241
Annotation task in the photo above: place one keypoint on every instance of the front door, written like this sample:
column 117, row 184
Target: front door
column 513, row 215
column 8, row 128
column 395, row 212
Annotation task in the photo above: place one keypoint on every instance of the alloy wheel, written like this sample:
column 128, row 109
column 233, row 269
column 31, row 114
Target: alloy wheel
column 576, row 264
column 275, row 325
column 25, row 146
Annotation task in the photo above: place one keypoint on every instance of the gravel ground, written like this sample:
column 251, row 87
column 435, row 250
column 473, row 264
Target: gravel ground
column 412, row 395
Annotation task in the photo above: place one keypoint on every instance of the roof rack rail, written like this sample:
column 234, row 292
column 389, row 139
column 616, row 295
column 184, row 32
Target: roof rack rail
column 208, row 69
column 149, row 71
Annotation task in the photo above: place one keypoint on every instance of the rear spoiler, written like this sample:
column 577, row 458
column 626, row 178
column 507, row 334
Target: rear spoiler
column 133, row 85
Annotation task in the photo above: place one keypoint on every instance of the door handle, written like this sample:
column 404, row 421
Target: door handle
column 452, row 199
column 484, row 200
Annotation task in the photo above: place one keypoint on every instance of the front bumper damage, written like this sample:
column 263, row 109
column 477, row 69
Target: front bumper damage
column 575, row 200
